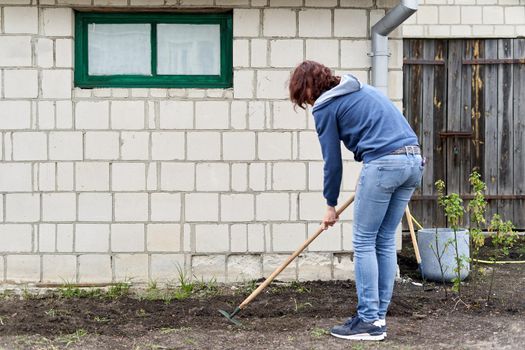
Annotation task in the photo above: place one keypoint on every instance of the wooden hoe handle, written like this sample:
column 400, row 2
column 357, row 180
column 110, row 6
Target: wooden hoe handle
column 413, row 234
column 291, row 257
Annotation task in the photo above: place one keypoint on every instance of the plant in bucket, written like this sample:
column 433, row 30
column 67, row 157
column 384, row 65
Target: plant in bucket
column 445, row 253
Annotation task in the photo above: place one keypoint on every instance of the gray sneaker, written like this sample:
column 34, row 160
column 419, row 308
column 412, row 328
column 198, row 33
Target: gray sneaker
column 355, row 329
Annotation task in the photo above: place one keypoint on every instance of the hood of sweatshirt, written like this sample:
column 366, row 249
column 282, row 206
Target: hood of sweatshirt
column 348, row 84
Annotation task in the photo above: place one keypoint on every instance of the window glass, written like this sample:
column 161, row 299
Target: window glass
column 116, row 49
column 189, row 49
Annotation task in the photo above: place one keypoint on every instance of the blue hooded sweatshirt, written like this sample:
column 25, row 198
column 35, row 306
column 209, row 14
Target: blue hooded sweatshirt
column 367, row 123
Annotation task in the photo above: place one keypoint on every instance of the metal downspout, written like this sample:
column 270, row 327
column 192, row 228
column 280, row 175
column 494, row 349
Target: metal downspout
column 380, row 32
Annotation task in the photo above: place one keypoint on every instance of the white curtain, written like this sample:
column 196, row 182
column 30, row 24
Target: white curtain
column 189, row 49
column 116, row 49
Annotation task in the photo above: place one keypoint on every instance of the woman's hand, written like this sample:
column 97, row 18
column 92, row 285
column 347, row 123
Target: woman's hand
column 330, row 218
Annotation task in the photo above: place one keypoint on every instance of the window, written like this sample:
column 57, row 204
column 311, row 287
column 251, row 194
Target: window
column 153, row 50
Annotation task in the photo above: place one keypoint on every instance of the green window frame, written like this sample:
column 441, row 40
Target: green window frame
column 84, row 80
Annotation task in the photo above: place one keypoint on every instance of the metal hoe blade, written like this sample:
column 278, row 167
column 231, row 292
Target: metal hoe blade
column 230, row 316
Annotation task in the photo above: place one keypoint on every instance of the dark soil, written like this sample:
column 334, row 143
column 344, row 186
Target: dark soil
column 287, row 316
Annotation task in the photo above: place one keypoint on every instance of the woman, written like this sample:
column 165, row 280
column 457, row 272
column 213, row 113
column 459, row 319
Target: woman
column 370, row 126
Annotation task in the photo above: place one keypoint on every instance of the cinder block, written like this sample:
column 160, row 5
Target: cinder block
column 22, row 207
column 279, row 22
column 64, row 114
column 58, row 207
column 449, row 14
column 315, row 176
column 258, row 114
column 354, row 54
column 131, row 267
column 286, row 53
column 21, row 20
column 64, row 238
column 57, row 83
column 151, row 176
column 256, row 238
column 259, row 54
column 315, row 23
column 246, row 22
column 274, row 145
column 65, row 145
column 102, row 145
column 201, row 207
column 350, row 23
column 21, row 83
column 314, row 266
column 165, row 206
column 163, row 237
column 212, row 114
column 58, row 21
column 94, row 268
column 46, row 115
column 46, row 176
column 343, row 267
column 134, row 145
column 237, row 207
column 493, row 15
column 91, row 238
column 272, row 84
column 272, row 261
column 46, row 238
column 211, row 238
column 514, row 15
column 243, row 268
column 95, row 207
column 287, row 237
column 65, row 176
column 177, row 176
column 128, row 177
column 348, row 229
column 92, row 115
column 238, row 238
column 59, row 269
column 64, row 53
column 176, row 115
column 16, row 238
column 238, row 145
column 241, row 55
column 213, row 177
column 131, row 207
column 323, row 51
column 352, row 172
column 209, row 267
column 15, row 114
column 44, row 53
column 127, row 115
column 23, row 268
column 289, row 176
column 29, row 146
column 312, row 206
column 257, row 176
column 243, row 84
column 285, row 117
column 127, row 237
column 328, row 241
column 167, row 145
column 168, row 267
column 239, row 177
column 16, row 51
column 92, row 176
column 204, row 145
column 272, row 207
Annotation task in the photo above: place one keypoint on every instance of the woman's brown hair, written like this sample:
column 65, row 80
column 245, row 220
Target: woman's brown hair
column 308, row 81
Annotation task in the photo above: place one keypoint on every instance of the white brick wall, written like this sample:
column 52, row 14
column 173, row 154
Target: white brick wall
column 102, row 185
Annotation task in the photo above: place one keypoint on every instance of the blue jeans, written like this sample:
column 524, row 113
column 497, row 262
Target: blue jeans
column 384, row 189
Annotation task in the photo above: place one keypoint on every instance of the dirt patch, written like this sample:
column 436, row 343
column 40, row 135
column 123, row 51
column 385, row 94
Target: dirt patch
column 287, row 316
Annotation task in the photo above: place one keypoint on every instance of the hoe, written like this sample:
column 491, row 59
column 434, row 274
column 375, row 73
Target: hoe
column 269, row 280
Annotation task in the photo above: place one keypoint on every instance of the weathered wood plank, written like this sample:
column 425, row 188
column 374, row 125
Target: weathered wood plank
column 439, row 104
column 505, row 123
column 454, row 113
column 490, row 116
column 427, row 126
column 519, row 134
